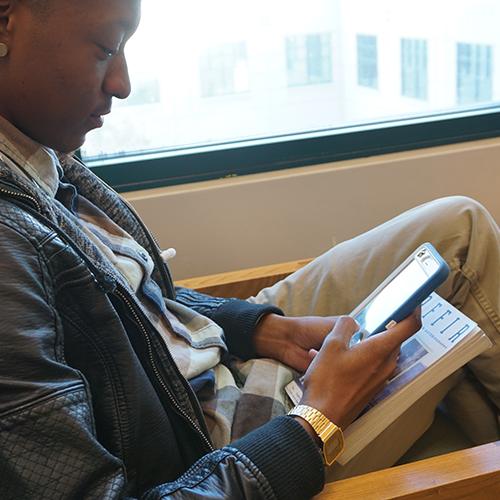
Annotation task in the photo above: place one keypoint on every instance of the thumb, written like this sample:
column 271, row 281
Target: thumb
column 312, row 354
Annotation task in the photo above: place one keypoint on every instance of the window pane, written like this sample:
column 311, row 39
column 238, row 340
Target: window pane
column 367, row 61
column 224, row 70
column 219, row 72
column 308, row 59
column 414, row 68
column 474, row 73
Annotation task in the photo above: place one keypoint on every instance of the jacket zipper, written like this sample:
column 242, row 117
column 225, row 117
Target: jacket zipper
column 23, row 196
column 169, row 288
column 159, row 377
column 125, row 299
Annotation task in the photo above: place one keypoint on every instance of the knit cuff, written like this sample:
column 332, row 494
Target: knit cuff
column 288, row 457
column 239, row 319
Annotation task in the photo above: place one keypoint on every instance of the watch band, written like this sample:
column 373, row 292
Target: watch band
column 329, row 433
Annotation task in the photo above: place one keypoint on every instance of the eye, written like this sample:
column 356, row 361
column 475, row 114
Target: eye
column 107, row 52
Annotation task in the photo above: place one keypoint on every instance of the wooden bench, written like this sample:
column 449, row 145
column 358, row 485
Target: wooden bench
column 470, row 473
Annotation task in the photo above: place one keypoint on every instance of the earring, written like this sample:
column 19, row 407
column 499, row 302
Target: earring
column 4, row 49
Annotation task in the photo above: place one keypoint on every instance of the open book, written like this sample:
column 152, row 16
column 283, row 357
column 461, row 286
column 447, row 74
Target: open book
column 447, row 340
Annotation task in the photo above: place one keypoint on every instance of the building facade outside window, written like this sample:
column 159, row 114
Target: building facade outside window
column 309, row 59
column 367, row 61
column 145, row 91
column 257, row 75
column 414, row 68
column 224, row 70
column 474, row 73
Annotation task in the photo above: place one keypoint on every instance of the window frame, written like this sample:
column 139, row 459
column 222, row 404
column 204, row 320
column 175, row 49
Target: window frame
column 152, row 170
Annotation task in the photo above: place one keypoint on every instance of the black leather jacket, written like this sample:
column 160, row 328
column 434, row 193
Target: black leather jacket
column 91, row 403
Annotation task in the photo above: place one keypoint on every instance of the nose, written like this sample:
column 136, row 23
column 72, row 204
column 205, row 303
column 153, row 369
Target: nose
column 117, row 80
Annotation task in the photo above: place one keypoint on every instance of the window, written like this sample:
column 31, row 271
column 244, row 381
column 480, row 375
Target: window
column 224, row 70
column 367, row 61
column 474, row 73
column 144, row 92
column 229, row 87
column 308, row 59
column 414, row 68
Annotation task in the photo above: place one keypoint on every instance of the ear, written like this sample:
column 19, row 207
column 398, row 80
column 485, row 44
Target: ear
column 6, row 9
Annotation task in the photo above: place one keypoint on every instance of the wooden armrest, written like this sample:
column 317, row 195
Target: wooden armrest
column 470, row 473
column 245, row 283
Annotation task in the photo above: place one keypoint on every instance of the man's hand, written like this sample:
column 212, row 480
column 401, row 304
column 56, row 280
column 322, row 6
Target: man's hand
column 293, row 341
column 341, row 381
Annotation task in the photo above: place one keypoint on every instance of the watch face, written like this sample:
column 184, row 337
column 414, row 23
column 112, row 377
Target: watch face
column 333, row 447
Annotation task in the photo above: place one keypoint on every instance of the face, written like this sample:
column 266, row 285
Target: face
column 64, row 67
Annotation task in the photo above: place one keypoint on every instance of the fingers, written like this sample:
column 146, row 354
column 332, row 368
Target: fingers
column 340, row 381
column 345, row 327
column 395, row 336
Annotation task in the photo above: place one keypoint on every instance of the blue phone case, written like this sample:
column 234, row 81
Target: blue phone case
column 420, row 294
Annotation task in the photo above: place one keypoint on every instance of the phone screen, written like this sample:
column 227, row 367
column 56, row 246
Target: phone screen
column 391, row 297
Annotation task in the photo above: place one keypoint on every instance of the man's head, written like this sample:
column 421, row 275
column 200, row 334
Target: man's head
column 65, row 62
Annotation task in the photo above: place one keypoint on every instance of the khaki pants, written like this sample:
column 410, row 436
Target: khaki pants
column 469, row 240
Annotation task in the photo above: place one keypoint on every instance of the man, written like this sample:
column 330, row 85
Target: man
column 92, row 403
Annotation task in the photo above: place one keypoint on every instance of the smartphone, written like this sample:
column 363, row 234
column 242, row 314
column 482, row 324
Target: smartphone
column 401, row 292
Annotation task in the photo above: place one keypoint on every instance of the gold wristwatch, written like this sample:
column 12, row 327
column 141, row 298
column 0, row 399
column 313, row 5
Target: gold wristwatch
column 329, row 434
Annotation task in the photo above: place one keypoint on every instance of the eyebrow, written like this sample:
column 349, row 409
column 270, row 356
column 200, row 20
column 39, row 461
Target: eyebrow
column 129, row 27
column 121, row 25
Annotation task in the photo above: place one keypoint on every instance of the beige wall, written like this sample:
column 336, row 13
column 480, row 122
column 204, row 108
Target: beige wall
column 266, row 218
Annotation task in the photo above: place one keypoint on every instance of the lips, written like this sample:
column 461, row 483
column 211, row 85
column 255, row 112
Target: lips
column 96, row 119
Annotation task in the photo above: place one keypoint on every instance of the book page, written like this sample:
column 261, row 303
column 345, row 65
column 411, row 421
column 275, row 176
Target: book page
column 443, row 326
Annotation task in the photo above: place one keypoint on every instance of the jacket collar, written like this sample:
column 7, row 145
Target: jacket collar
column 37, row 170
